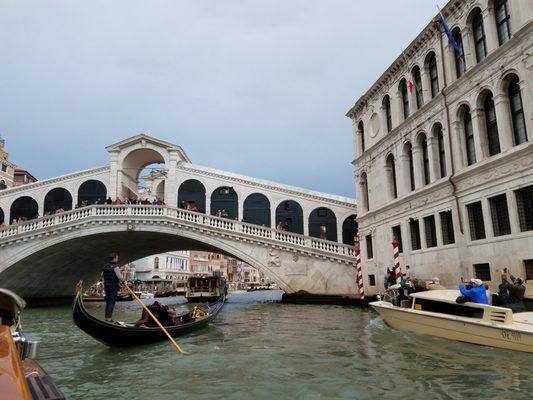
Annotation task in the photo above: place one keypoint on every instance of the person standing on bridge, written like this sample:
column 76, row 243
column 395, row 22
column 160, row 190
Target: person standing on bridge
column 112, row 280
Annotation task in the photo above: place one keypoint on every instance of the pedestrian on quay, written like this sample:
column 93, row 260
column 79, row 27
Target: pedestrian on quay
column 112, row 280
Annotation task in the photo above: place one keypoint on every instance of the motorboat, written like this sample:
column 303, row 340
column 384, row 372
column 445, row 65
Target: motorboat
column 436, row 313
column 21, row 377
column 205, row 289
column 147, row 295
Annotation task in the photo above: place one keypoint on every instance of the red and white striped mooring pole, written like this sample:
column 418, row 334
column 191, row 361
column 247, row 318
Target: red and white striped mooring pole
column 359, row 277
column 396, row 253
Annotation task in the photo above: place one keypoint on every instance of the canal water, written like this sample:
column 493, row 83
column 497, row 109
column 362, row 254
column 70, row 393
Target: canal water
column 261, row 349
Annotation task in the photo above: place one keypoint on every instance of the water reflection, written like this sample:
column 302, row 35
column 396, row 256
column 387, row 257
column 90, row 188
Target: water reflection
column 261, row 349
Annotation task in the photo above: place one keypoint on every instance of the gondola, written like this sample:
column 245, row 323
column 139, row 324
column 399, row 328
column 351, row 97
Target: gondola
column 125, row 335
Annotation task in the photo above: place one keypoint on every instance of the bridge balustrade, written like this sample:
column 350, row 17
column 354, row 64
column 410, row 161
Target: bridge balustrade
column 178, row 214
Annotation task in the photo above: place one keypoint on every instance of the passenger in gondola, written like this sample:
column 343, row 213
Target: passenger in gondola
column 112, row 281
column 161, row 311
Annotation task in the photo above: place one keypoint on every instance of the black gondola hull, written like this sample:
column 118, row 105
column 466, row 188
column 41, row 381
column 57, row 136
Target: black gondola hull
column 116, row 335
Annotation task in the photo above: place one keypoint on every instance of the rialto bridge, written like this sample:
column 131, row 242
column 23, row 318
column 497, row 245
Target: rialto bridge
column 42, row 253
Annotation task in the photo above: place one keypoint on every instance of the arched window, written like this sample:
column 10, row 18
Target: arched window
column 24, row 208
column 491, row 125
column 517, row 112
column 361, row 129
column 92, row 192
column 257, row 210
column 323, row 224
column 225, row 203
column 349, row 230
column 57, row 199
column 417, row 78
column 442, row 154
column 405, row 98
column 391, row 172
column 433, row 74
column 3, row 185
column 364, row 189
column 480, row 41
column 425, row 158
column 387, row 110
column 191, row 196
column 460, row 64
column 290, row 214
column 503, row 20
column 408, row 149
column 469, row 137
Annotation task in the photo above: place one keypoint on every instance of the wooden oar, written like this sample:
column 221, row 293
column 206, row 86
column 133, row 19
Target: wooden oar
column 176, row 345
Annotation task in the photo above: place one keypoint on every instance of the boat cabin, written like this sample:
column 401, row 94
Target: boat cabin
column 205, row 289
column 443, row 301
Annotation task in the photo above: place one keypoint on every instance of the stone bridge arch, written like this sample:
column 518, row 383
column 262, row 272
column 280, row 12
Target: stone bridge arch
column 59, row 261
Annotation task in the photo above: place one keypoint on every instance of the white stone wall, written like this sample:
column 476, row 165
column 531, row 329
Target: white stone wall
column 490, row 175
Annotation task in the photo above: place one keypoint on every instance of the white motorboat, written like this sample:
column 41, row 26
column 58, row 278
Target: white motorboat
column 147, row 295
column 436, row 313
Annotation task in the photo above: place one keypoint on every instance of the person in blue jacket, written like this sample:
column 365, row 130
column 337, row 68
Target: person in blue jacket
column 477, row 294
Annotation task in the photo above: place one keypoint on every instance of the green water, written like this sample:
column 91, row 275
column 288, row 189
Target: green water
column 260, row 349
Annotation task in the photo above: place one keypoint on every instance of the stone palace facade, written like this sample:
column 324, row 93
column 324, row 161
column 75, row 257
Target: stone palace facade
column 444, row 149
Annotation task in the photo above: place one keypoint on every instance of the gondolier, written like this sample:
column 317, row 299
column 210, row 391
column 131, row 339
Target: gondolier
column 112, row 280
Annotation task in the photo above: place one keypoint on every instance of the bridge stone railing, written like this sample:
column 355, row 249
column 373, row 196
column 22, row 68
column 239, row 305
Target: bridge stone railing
column 224, row 224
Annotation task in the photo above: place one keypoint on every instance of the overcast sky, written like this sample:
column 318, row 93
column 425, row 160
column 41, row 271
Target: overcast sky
column 254, row 87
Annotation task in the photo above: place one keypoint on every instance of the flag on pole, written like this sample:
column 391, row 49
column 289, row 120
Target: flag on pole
column 452, row 40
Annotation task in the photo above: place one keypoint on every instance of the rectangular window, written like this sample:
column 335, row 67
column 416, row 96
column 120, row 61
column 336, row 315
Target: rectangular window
column 524, row 203
column 475, row 220
column 446, row 222
column 414, row 229
column 397, row 234
column 4, row 167
column 528, row 265
column 431, row 231
column 372, row 280
column 482, row 271
column 500, row 215
column 369, row 249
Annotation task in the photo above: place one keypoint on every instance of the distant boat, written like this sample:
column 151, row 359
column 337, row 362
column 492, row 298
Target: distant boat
column 147, row 295
column 205, row 289
column 124, row 335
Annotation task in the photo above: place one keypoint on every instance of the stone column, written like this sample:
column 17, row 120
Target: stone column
column 426, row 83
column 433, row 155
column 397, row 109
column 422, row 226
column 487, row 218
column 418, row 165
column 448, row 152
column 480, row 139
column 489, row 24
column 171, row 181
column 389, row 182
column 402, row 175
column 207, row 202
column 339, row 229
column 115, row 181
column 449, row 59
column 240, row 202
column 459, row 146
column 513, row 212
column 468, row 47
column 273, row 221
column 438, row 230
column 412, row 96
column 503, row 118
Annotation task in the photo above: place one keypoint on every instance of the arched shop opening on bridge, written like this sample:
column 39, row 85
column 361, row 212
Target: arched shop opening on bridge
column 2, row 216
column 191, row 196
column 257, row 210
column 323, row 224
column 143, row 175
column 57, row 199
column 225, row 202
column 291, row 216
column 24, row 208
column 349, row 230
column 92, row 192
